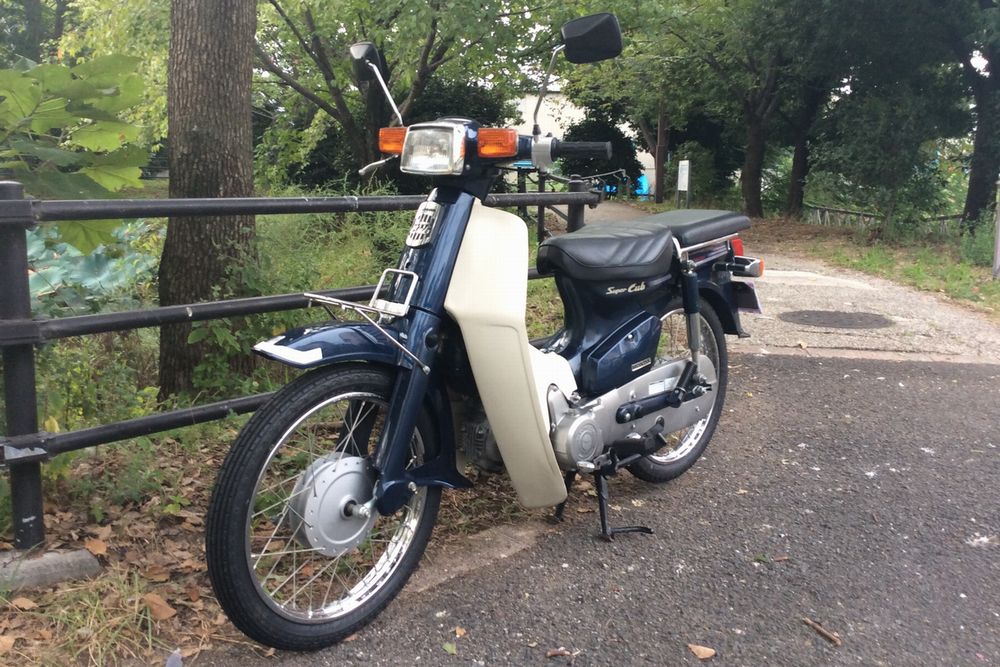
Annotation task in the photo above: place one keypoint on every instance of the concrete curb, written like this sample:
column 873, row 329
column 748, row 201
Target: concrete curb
column 20, row 570
column 877, row 355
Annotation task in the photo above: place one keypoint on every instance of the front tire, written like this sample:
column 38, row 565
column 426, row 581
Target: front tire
column 293, row 561
column 686, row 446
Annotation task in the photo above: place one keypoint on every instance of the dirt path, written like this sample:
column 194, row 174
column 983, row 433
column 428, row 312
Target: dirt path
column 811, row 308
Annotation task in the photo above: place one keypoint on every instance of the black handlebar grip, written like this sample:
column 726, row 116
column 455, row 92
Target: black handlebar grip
column 581, row 149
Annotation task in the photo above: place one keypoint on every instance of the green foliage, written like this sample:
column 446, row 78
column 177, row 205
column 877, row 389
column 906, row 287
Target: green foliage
column 978, row 248
column 60, row 136
column 595, row 128
column 137, row 29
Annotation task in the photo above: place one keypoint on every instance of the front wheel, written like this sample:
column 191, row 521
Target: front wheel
column 294, row 558
column 686, row 446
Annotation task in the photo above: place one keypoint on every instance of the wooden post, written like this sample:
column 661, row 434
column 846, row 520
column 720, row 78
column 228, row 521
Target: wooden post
column 996, row 239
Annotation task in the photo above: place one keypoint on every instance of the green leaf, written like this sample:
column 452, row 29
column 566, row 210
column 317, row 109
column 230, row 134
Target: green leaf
column 112, row 177
column 106, row 71
column 86, row 235
column 56, row 156
column 104, row 135
column 51, row 115
column 21, row 96
column 127, row 94
column 129, row 156
column 198, row 334
column 52, row 77
column 450, row 648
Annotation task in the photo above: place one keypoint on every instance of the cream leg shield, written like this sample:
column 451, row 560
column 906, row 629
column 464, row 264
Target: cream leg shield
column 487, row 299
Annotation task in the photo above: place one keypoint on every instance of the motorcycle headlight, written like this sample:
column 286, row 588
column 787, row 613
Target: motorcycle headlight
column 433, row 149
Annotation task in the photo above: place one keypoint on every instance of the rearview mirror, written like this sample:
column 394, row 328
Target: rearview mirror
column 592, row 38
column 363, row 55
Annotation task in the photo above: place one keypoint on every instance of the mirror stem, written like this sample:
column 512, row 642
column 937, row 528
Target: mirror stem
column 388, row 95
column 536, row 130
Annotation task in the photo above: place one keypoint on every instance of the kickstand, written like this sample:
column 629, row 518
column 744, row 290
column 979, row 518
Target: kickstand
column 561, row 507
column 607, row 533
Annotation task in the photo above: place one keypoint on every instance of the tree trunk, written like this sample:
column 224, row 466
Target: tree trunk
column 812, row 101
column 753, row 168
column 797, row 181
column 660, row 155
column 34, row 30
column 211, row 155
column 985, row 164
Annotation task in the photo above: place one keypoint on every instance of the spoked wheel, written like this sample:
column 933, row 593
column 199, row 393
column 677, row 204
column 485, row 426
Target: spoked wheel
column 296, row 556
column 684, row 447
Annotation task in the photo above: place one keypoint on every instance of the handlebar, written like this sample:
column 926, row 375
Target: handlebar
column 580, row 149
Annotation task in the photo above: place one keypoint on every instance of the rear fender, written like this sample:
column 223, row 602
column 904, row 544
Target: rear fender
column 723, row 299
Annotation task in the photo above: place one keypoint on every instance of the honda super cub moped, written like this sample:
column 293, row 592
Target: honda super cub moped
column 327, row 499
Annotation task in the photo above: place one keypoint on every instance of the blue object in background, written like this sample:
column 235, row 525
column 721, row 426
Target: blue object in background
column 642, row 185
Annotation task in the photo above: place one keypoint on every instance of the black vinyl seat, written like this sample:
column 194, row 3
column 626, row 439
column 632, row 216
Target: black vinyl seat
column 694, row 226
column 634, row 249
column 610, row 251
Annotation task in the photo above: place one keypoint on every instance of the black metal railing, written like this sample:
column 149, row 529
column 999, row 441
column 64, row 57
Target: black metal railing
column 24, row 446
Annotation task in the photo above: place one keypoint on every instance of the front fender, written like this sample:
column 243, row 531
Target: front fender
column 320, row 345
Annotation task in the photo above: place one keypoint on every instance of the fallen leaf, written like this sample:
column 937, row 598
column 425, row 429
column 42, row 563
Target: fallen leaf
column 101, row 532
column 96, row 546
column 450, row 648
column 701, row 652
column 158, row 607
column 24, row 604
column 781, row 559
column 6, row 643
column 157, row 574
column 459, row 631
column 351, row 638
column 193, row 593
column 638, row 503
column 584, row 510
column 44, row 633
column 557, row 652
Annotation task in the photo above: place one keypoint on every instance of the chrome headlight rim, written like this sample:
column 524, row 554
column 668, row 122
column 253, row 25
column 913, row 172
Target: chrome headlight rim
column 455, row 160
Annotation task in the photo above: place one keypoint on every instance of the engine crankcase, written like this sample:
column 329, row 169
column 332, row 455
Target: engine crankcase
column 582, row 433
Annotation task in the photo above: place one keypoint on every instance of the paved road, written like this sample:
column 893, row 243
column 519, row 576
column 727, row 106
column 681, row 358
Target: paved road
column 861, row 493
column 879, row 481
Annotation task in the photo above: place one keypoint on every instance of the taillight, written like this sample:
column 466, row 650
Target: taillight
column 737, row 246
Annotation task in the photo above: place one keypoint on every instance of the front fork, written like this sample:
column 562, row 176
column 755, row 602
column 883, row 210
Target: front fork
column 417, row 388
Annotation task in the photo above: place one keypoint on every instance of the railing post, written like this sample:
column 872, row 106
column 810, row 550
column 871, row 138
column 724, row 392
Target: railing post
column 522, row 187
column 575, row 211
column 20, row 399
column 540, row 227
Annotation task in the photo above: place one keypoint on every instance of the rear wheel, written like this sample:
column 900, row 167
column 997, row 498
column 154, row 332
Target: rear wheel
column 685, row 446
column 296, row 558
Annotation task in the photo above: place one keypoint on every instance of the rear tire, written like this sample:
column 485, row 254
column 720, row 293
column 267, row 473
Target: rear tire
column 291, row 562
column 687, row 445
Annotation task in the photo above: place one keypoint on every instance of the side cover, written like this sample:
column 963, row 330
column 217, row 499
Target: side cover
column 487, row 299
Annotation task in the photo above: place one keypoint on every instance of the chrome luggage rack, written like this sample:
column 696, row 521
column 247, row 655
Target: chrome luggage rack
column 385, row 310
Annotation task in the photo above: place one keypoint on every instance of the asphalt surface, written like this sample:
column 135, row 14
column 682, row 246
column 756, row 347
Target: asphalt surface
column 863, row 495
column 854, row 481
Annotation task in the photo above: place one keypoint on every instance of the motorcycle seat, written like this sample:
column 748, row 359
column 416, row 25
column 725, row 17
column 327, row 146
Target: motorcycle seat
column 694, row 226
column 610, row 251
column 636, row 249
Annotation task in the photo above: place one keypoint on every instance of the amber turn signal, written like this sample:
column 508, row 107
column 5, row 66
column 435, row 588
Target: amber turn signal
column 497, row 142
column 390, row 140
